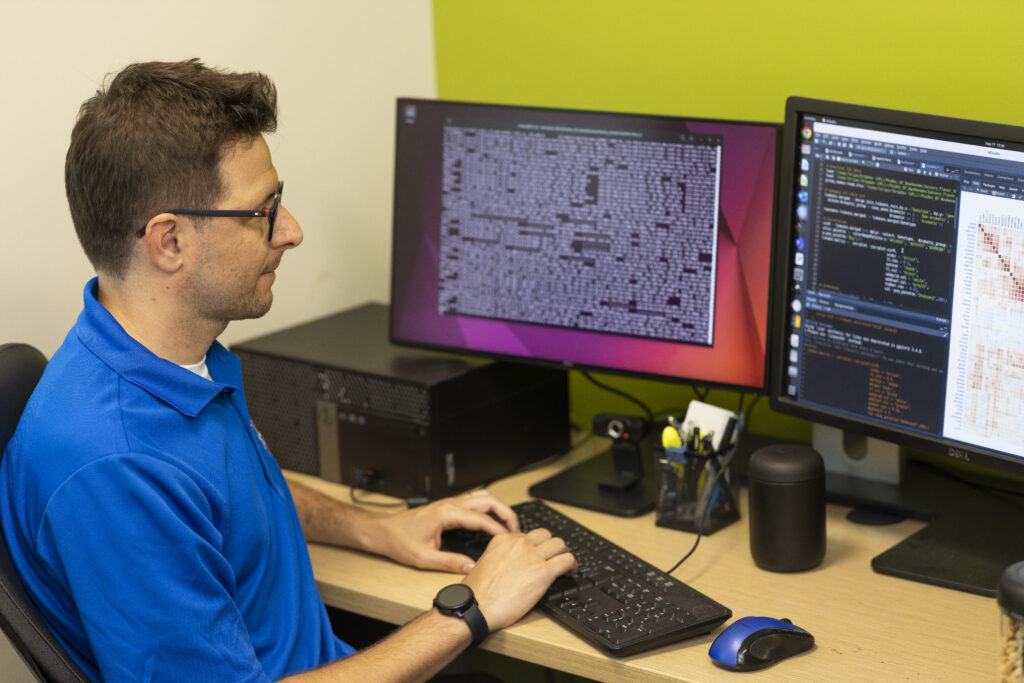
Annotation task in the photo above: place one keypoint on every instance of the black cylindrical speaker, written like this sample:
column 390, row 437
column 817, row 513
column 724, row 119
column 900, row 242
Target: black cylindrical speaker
column 787, row 507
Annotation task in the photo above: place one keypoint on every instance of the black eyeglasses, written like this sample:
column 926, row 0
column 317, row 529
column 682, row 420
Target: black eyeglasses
column 270, row 214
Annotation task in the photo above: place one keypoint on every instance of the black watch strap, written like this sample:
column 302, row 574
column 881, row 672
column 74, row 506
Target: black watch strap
column 457, row 600
column 477, row 624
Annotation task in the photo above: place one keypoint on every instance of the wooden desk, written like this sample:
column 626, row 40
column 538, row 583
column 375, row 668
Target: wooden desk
column 867, row 627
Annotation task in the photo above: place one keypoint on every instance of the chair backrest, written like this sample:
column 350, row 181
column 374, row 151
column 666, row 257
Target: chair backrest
column 20, row 368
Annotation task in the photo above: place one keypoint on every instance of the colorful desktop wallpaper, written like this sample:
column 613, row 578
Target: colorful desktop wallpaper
column 737, row 357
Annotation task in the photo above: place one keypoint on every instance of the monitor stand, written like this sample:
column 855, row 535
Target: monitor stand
column 973, row 536
column 585, row 485
column 974, row 523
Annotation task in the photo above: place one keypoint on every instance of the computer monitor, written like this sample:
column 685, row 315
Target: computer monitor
column 900, row 306
column 631, row 244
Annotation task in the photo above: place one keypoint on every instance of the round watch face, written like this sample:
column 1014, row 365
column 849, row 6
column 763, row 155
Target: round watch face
column 454, row 597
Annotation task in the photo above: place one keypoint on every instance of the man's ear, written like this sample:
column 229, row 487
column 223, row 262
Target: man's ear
column 163, row 241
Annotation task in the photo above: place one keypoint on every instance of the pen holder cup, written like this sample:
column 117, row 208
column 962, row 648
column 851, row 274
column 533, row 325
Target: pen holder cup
column 1010, row 597
column 694, row 492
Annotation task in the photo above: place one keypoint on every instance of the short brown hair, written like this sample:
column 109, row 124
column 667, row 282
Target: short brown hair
column 152, row 140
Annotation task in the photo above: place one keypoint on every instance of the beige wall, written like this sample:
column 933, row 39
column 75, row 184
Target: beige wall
column 338, row 67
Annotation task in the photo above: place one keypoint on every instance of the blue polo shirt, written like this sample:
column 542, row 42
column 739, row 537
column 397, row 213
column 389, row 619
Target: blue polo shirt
column 150, row 523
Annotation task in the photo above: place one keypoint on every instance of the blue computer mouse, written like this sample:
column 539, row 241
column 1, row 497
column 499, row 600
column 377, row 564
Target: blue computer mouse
column 756, row 642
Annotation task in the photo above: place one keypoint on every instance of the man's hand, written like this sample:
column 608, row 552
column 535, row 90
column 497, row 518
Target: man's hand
column 514, row 572
column 413, row 536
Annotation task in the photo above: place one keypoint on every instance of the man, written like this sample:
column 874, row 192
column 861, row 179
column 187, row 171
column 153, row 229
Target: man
column 143, row 511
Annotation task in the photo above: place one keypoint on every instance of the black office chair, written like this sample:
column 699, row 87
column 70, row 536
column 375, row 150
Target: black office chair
column 20, row 368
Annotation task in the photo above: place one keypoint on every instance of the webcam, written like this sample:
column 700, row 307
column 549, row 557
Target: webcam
column 626, row 432
column 626, row 428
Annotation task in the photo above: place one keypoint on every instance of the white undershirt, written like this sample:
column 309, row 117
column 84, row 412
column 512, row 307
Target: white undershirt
column 200, row 369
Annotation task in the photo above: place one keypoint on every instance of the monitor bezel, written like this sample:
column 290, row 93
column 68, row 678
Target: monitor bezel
column 796, row 107
column 569, row 365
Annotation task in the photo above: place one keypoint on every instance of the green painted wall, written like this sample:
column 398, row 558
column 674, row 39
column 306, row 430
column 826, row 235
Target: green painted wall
column 730, row 59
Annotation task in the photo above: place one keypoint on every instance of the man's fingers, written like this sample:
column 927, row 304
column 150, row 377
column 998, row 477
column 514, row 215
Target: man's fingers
column 538, row 535
column 482, row 501
column 455, row 563
column 547, row 545
column 461, row 518
column 552, row 546
column 506, row 515
column 563, row 563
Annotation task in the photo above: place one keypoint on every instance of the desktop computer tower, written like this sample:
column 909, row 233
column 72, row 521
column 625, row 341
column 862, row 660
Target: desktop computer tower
column 334, row 398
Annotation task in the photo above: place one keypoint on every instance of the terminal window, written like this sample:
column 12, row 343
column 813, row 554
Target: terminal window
column 557, row 226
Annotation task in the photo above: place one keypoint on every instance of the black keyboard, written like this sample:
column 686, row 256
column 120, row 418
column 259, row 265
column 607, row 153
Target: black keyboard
column 616, row 600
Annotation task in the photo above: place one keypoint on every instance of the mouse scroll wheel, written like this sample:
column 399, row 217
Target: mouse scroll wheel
column 787, row 620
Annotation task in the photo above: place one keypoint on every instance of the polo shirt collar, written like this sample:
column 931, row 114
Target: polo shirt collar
column 187, row 392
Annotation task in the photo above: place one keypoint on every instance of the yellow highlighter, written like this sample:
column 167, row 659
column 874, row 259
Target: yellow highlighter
column 670, row 437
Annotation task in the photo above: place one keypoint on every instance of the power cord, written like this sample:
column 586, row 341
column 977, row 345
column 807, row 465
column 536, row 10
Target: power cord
column 364, row 481
column 673, row 410
column 740, row 420
column 704, row 513
column 376, row 503
column 623, row 394
column 701, row 396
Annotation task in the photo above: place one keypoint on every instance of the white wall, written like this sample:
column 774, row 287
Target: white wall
column 338, row 66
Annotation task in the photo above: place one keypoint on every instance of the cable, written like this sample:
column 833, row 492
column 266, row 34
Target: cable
column 623, row 394
column 362, row 501
column 726, row 461
column 687, row 555
column 544, row 462
column 746, row 416
column 753, row 402
column 674, row 410
column 365, row 478
column 703, row 517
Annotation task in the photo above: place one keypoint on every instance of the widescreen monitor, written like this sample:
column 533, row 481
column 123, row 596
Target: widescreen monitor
column 619, row 242
column 900, row 302
column 631, row 244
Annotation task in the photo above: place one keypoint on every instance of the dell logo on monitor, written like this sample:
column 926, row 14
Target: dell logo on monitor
column 960, row 454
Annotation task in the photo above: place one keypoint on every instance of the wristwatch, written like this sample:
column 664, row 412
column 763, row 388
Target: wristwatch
column 457, row 600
